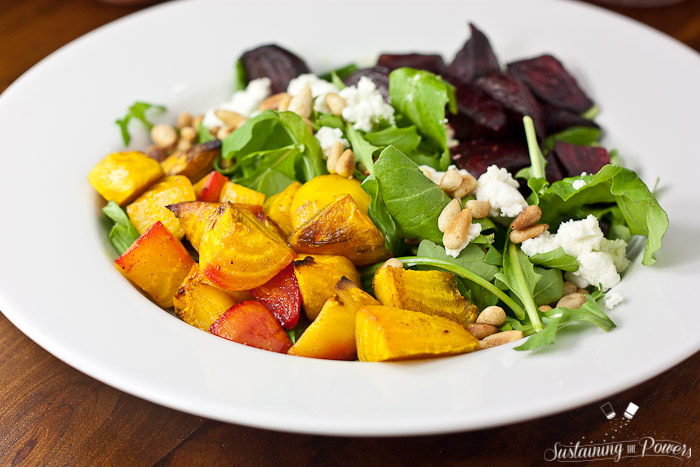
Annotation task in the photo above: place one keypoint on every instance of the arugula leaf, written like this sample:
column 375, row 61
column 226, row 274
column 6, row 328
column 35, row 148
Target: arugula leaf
column 363, row 150
column 640, row 210
column 493, row 256
column 240, row 77
column 203, row 134
column 413, row 201
column 381, row 218
column 421, row 97
column 520, row 277
column 329, row 120
column 555, row 259
column 549, row 288
column 537, row 161
column 138, row 111
column 404, row 139
column 579, row 135
column 123, row 232
column 340, row 73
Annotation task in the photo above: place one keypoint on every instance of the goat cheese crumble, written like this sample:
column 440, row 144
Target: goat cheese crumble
column 436, row 176
column 319, row 89
column 245, row 102
column 365, row 106
column 612, row 299
column 328, row 136
column 474, row 231
column 578, row 184
column 500, row 189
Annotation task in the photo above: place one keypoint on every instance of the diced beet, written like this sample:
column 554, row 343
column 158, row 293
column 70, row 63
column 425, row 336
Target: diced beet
column 556, row 120
column 479, row 116
column 552, row 170
column 429, row 62
column 577, row 159
column 378, row 74
column 513, row 94
column 476, row 58
column 477, row 156
column 274, row 62
column 549, row 80
column 281, row 295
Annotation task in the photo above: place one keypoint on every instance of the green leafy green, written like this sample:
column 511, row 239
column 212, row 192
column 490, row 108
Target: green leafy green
column 203, row 134
column 537, row 162
column 138, row 111
column 591, row 113
column 520, row 277
column 364, row 151
column 413, row 201
column 340, row 73
column 329, row 120
column 123, row 232
column 405, row 139
column 549, row 288
column 579, row 135
column 381, row 218
column 556, row 259
column 240, row 78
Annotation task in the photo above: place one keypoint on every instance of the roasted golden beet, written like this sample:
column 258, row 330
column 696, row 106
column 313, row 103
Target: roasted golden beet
column 194, row 217
column 317, row 276
column 122, row 176
column 385, row 334
column 430, row 292
column 194, row 163
column 157, row 263
column 199, row 302
column 150, row 207
column 332, row 334
column 321, row 191
column 341, row 228
column 238, row 252
column 279, row 207
column 234, row 193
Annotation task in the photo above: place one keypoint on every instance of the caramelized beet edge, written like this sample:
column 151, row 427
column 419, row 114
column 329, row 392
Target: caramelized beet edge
column 274, row 62
column 475, row 59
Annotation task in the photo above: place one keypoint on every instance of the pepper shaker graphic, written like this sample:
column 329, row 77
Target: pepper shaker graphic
column 608, row 410
column 631, row 410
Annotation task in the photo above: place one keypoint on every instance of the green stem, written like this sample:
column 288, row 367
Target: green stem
column 537, row 161
column 527, row 299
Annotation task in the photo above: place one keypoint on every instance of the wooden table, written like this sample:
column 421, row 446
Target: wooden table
column 53, row 414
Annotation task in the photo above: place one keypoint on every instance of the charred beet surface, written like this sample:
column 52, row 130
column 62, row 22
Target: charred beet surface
column 274, row 62
column 476, row 58
column 378, row 74
column 575, row 160
column 429, row 62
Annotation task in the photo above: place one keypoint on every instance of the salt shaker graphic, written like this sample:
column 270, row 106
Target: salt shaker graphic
column 608, row 410
column 631, row 410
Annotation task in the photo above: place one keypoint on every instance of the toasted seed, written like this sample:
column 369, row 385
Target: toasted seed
column 183, row 120
column 334, row 153
column 183, row 144
column 481, row 330
column 214, row 130
column 163, row 135
column 480, row 209
column 273, row 102
column 529, row 216
column 544, row 308
column 302, row 103
column 283, row 105
column 188, row 133
column 450, row 181
column 448, row 214
column 493, row 315
column 335, row 103
column 196, row 120
column 230, row 119
column 500, row 338
column 573, row 300
column 223, row 132
column 392, row 263
column 583, row 291
column 570, row 287
column 345, row 166
column 468, row 185
column 519, row 236
column 456, row 233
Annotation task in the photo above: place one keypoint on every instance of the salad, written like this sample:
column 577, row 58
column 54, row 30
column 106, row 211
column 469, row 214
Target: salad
column 412, row 209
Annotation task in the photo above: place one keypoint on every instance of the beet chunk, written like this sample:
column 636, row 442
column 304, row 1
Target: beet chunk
column 429, row 62
column 575, row 160
column 480, row 116
column 513, row 94
column 552, row 170
column 549, row 80
column 476, row 58
column 274, row 62
column 477, row 156
column 556, row 120
column 378, row 74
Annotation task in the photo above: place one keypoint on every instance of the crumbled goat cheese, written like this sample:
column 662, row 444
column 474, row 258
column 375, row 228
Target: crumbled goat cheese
column 245, row 102
column 328, row 136
column 595, row 268
column 578, row 184
column 365, row 105
column 543, row 243
column 500, row 189
column 618, row 250
column 612, row 299
column 474, row 231
column 436, row 176
column 319, row 89
column 579, row 237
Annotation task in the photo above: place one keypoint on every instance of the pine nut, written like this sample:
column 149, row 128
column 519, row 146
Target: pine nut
column 451, row 181
column 196, row 120
column 456, row 233
column 570, row 287
column 573, row 301
column 544, row 308
column 188, row 133
column 480, row 209
column 214, row 130
column 493, row 315
column 468, row 185
column 345, row 166
column 163, row 135
column 335, row 103
column 583, row 291
column 222, row 133
column 500, row 338
column 302, row 103
column 283, row 105
column 334, row 153
column 448, row 214
column 392, row 263
column 273, row 102
column 230, row 119
column 480, row 330
column 519, row 236
column 529, row 216
column 183, row 120
column 183, row 145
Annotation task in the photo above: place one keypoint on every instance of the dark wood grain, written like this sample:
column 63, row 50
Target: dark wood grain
column 51, row 414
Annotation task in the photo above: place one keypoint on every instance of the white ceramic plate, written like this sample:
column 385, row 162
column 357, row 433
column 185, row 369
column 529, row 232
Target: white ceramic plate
column 57, row 283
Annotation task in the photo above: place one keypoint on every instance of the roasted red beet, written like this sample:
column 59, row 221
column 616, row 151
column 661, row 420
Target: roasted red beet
column 552, row 170
column 477, row 156
column 556, row 120
column 281, row 295
column 513, row 94
column 575, row 160
column 378, row 74
column 476, row 58
column 274, row 62
column 429, row 62
column 549, row 80
column 480, row 116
